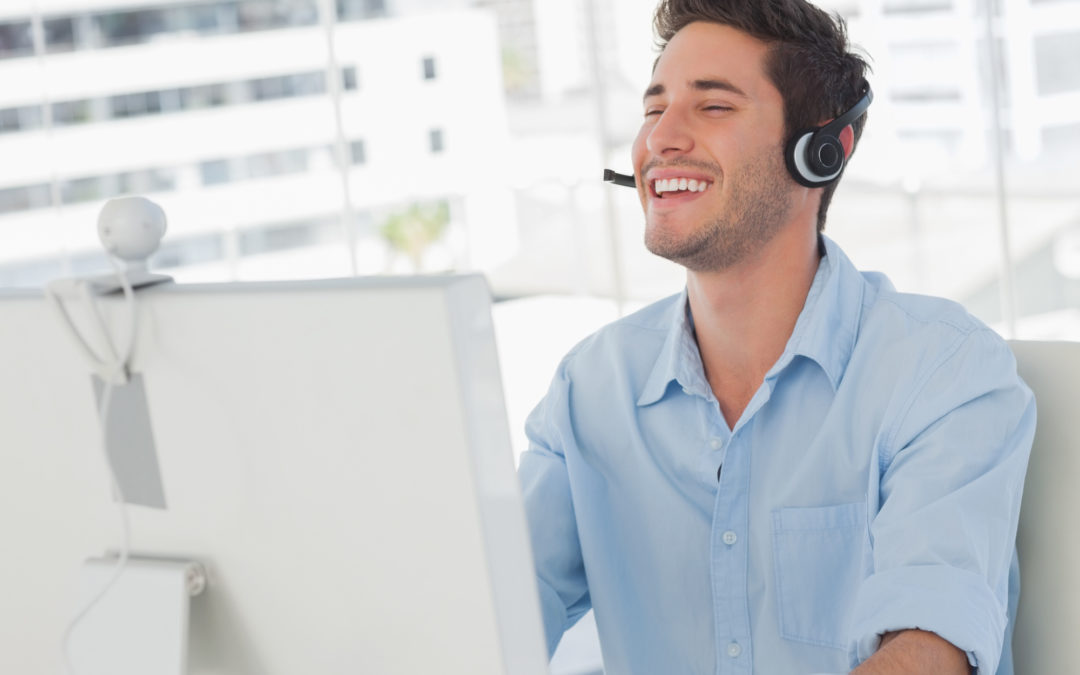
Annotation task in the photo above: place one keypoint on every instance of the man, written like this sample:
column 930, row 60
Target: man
column 790, row 467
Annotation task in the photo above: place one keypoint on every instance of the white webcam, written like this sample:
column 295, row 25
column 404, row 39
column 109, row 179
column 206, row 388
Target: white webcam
column 131, row 228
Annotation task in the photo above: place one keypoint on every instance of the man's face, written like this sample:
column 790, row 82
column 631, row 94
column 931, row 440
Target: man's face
column 709, row 155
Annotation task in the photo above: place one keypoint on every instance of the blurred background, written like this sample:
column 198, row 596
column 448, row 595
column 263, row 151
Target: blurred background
column 317, row 138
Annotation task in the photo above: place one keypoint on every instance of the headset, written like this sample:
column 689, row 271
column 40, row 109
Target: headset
column 814, row 157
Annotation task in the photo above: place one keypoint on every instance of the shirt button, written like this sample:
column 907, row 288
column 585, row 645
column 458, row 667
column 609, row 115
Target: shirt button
column 733, row 650
column 716, row 443
column 730, row 538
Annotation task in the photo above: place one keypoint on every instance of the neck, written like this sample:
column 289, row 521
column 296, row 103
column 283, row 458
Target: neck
column 744, row 315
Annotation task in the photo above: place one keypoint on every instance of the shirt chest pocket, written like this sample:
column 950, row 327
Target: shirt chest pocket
column 818, row 555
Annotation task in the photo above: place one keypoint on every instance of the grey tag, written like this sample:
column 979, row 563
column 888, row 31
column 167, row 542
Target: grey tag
column 129, row 443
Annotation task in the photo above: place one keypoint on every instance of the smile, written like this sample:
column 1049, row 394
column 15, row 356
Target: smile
column 679, row 185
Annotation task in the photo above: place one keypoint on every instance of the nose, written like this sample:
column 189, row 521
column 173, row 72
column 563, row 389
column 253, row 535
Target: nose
column 669, row 135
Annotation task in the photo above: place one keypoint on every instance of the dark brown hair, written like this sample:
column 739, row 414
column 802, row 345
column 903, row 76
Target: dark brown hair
column 809, row 60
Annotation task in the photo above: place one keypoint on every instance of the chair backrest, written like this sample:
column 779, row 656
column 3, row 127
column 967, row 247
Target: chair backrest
column 1047, row 634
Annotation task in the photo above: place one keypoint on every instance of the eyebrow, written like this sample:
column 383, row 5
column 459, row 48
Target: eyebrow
column 700, row 85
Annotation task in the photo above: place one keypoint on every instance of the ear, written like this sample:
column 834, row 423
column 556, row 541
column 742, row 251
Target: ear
column 847, row 139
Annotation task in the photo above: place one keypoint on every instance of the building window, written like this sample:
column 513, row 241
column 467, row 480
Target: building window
column 59, row 35
column 348, row 78
column 71, row 112
column 263, row 15
column 189, row 251
column 24, row 198
column 135, row 105
column 215, row 172
column 204, row 96
column 436, row 141
column 1055, row 63
column 357, row 152
column 144, row 181
column 266, row 164
column 130, row 27
column 16, row 39
column 352, row 10
column 429, row 68
column 83, row 190
column 20, row 119
column 916, row 6
column 288, row 86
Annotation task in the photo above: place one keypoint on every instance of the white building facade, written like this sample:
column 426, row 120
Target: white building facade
column 232, row 115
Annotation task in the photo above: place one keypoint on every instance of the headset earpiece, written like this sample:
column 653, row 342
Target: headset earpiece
column 815, row 157
column 814, row 160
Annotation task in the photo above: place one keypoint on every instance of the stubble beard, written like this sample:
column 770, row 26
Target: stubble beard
column 756, row 208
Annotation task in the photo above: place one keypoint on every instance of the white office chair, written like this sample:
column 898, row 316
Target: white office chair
column 1046, row 640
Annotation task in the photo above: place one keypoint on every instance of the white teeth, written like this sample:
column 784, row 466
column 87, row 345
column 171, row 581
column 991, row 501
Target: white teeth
column 678, row 184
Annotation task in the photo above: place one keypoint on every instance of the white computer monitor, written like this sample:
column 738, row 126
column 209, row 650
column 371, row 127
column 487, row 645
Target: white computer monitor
column 336, row 453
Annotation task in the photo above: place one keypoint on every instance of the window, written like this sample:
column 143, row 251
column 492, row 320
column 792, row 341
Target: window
column 352, row 10
column 59, row 35
column 435, row 141
column 134, row 105
column 20, row 119
column 215, row 172
column 9, row 120
column 286, row 86
column 284, row 236
column 268, row 14
column 307, row 84
column 348, row 78
column 16, row 39
column 188, row 251
column 126, row 28
column 203, row 96
column 357, row 152
column 144, row 181
column 268, row 88
column 1056, row 57
column 916, row 6
column 71, row 112
column 82, row 190
column 277, row 163
column 24, row 198
column 203, row 19
column 171, row 100
column 429, row 68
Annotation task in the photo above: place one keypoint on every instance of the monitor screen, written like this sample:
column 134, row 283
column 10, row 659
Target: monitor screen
column 335, row 454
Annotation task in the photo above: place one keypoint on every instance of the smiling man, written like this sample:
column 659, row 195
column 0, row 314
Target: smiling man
column 790, row 467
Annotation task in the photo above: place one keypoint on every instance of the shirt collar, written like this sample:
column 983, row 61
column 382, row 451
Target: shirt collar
column 679, row 359
column 828, row 325
column 825, row 332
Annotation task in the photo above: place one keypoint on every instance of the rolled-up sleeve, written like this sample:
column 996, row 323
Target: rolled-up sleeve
column 549, row 509
column 951, row 479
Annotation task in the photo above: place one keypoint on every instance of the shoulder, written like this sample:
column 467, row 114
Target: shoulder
column 927, row 356
column 920, row 328
column 914, row 311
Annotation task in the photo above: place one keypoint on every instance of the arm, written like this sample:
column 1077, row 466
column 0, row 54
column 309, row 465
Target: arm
column 560, row 570
column 914, row 651
column 952, row 469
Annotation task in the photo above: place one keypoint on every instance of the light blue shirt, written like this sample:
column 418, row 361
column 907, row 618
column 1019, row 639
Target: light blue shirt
column 872, row 484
